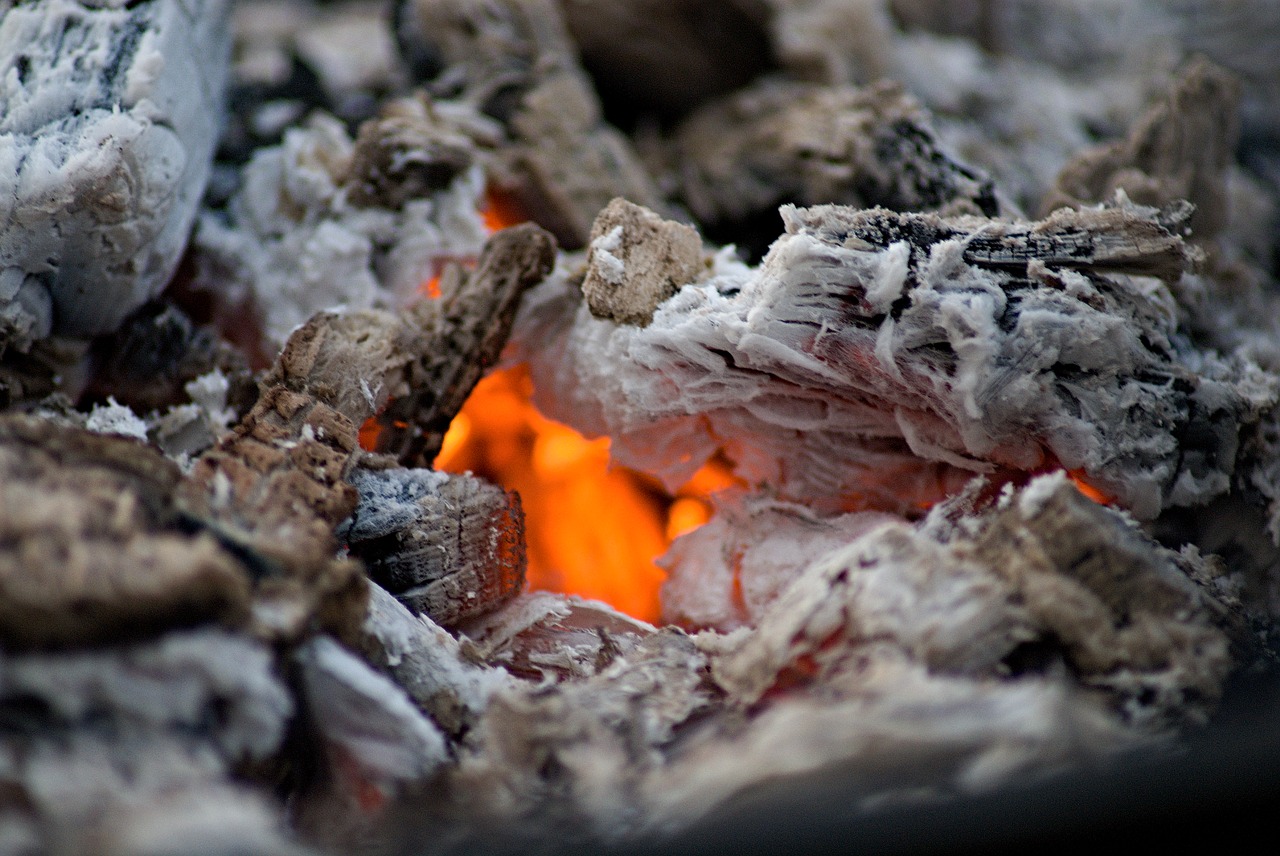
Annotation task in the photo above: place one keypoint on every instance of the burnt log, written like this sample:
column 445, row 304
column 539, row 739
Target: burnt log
column 450, row 547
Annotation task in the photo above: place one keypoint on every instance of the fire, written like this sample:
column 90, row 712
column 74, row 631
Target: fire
column 593, row 530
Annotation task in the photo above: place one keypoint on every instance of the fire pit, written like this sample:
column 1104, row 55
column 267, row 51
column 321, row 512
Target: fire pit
column 648, row 426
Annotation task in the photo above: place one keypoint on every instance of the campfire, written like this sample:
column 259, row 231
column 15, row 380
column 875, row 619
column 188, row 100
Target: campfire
column 444, row 424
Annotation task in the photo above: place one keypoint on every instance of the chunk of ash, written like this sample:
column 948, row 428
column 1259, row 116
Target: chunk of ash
column 109, row 112
column 873, row 358
column 448, row 546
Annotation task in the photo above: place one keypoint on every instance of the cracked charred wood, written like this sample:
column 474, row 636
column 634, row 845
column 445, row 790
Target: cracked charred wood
column 276, row 487
column 876, row 360
column 514, row 60
column 450, row 547
column 109, row 115
column 464, row 331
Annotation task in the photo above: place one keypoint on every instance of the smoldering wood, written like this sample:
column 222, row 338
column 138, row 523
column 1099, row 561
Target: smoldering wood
column 856, row 662
column 448, row 546
column 276, row 486
column 737, row 159
column 515, row 61
column 110, row 116
column 468, row 326
column 870, row 343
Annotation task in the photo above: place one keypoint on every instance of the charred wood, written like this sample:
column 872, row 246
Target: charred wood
column 736, row 160
column 514, row 60
column 276, row 487
column 448, row 547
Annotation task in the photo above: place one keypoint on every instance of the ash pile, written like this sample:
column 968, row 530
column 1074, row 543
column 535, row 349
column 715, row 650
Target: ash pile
column 977, row 302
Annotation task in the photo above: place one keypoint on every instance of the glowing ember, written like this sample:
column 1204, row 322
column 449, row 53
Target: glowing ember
column 592, row 529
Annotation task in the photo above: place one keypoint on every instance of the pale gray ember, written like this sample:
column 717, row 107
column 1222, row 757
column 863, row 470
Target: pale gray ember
column 109, row 113
column 881, row 356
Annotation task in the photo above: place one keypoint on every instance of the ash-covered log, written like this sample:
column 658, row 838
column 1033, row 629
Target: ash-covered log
column 874, row 359
column 108, row 115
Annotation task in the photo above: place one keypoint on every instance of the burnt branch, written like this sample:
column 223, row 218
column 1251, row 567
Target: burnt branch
column 276, row 487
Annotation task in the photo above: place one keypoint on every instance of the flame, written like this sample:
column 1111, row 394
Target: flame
column 593, row 530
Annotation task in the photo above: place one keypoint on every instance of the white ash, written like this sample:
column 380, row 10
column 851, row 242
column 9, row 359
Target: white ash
column 209, row 393
column 109, row 748
column 115, row 418
column 728, row 572
column 435, row 668
column 602, row 250
column 1008, row 348
column 368, row 716
column 175, row 683
column 108, row 116
column 294, row 244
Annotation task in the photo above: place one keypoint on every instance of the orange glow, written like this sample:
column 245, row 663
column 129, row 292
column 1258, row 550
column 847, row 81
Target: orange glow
column 1098, row 496
column 500, row 210
column 593, row 530
column 430, row 288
